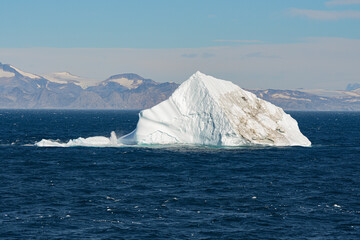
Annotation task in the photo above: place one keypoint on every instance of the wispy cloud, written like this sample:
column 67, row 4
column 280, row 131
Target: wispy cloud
column 195, row 55
column 342, row 2
column 260, row 55
column 189, row 55
column 207, row 55
column 325, row 15
column 238, row 41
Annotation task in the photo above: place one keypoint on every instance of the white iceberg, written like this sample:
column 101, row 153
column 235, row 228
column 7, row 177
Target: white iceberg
column 209, row 111
column 98, row 141
column 205, row 111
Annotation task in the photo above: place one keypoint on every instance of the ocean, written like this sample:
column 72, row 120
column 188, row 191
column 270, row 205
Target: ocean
column 175, row 192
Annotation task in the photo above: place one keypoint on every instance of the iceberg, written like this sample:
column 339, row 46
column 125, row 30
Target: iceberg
column 204, row 110
column 98, row 141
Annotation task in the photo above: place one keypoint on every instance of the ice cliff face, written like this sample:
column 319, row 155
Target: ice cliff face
column 209, row 111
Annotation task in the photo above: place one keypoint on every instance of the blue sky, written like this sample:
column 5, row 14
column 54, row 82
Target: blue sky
column 167, row 23
column 180, row 25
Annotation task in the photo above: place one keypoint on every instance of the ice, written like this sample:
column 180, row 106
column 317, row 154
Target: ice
column 128, row 83
column 29, row 75
column 66, row 77
column 205, row 111
column 6, row 74
column 97, row 141
column 209, row 111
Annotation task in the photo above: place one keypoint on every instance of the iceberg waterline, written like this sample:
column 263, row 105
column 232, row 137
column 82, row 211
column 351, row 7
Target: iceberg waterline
column 206, row 111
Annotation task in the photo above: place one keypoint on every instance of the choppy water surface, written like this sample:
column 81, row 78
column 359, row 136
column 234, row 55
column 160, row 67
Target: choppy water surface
column 175, row 192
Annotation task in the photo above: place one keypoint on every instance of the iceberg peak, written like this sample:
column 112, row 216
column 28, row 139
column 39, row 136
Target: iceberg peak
column 208, row 111
column 199, row 76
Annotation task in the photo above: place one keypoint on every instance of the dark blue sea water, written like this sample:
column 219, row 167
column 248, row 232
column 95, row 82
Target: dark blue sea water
column 178, row 192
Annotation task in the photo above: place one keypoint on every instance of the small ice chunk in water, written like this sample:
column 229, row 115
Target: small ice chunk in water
column 98, row 141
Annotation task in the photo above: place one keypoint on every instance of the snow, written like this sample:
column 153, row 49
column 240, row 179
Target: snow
column 330, row 93
column 278, row 95
column 130, row 84
column 29, row 75
column 6, row 74
column 209, row 111
column 66, row 77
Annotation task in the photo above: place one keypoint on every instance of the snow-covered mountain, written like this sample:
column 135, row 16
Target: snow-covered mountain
column 128, row 80
column 122, row 83
column 312, row 99
column 20, row 89
column 352, row 86
column 66, row 77
column 25, row 74
column 8, row 71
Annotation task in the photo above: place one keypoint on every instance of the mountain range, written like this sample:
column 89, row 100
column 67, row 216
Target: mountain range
column 312, row 99
column 22, row 90
column 19, row 89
